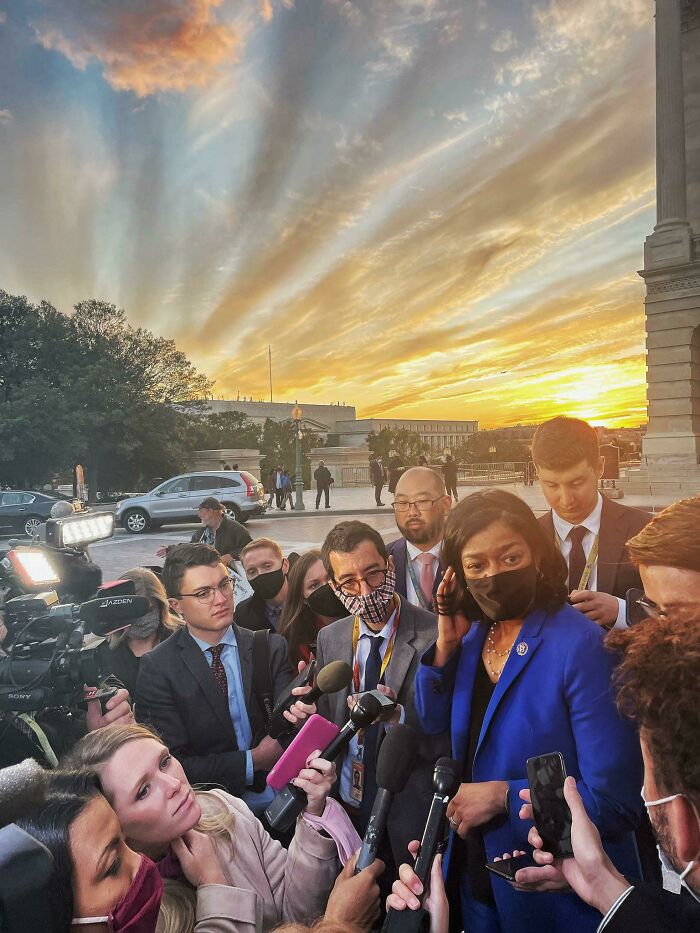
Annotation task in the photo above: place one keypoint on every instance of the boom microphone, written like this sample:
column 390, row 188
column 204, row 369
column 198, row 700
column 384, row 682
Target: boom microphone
column 290, row 802
column 395, row 761
column 111, row 613
column 330, row 679
column 446, row 781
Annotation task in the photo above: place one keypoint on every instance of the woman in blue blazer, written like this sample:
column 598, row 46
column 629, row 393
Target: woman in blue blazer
column 530, row 677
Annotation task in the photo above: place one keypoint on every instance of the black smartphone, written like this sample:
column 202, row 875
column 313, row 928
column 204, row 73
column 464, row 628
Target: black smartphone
column 304, row 679
column 546, row 775
column 633, row 611
column 507, row 867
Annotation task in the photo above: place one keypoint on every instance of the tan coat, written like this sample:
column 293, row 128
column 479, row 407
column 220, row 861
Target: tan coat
column 268, row 883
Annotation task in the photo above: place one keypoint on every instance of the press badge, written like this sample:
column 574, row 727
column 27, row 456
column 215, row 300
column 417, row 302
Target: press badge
column 357, row 780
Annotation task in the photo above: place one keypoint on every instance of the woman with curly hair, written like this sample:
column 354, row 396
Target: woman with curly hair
column 517, row 673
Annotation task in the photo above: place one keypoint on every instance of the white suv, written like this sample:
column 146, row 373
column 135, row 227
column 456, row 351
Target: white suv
column 177, row 499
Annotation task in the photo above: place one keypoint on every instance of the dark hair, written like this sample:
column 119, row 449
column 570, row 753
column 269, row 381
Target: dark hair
column 562, row 443
column 68, row 793
column 481, row 509
column 345, row 537
column 297, row 622
column 657, row 682
column 181, row 558
column 671, row 538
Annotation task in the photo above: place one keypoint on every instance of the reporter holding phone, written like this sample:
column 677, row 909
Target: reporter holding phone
column 516, row 673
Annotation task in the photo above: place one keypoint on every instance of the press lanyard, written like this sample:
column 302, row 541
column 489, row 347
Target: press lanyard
column 416, row 585
column 590, row 561
column 389, row 648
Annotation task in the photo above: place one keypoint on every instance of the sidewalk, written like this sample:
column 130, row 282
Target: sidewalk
column 360, row 501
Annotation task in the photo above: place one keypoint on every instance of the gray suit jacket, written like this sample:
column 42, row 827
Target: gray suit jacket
column 416, row 632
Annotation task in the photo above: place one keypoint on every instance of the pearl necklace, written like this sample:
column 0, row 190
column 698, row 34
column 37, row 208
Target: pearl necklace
column 491, row 650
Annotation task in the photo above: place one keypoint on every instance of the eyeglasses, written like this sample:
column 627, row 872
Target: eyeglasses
column 374, row 579
column 650, row 608
column 423, row 505
column 208, row 593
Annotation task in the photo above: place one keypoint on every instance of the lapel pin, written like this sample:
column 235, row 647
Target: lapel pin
column 522, row 648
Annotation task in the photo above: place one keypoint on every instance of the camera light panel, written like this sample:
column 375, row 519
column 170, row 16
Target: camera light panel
column 32, row 566
column 84, row 529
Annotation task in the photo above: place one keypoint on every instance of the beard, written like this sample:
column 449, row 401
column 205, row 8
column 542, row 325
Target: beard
column 420, row 533
column 665, row 842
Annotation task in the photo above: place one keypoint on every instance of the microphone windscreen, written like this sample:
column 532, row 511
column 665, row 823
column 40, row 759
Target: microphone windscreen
column 366, row 710
column 117, row 588
column 22, row 789
column 447, row 776
column 98, row 613
column 397, row 755
column 334, row 677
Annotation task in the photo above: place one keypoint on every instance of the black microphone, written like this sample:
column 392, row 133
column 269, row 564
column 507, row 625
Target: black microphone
column 330, row 679
column 291, row 800
column 106, row 615
column 397, row 755
column 446, row 781
column 22, row 789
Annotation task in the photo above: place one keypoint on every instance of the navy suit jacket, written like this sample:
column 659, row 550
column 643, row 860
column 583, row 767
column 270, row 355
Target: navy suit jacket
column 554, row 694
column 397, row 549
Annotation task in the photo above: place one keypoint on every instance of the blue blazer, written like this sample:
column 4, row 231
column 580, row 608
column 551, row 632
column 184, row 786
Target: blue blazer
column 554, row 694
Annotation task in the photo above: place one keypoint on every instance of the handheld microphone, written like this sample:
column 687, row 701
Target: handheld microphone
column 446, row 781
column 395, row 761
column 290, row 802
column 330, row 679
column 111, row 613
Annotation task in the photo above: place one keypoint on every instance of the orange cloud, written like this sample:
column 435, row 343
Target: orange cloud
column 144, row 47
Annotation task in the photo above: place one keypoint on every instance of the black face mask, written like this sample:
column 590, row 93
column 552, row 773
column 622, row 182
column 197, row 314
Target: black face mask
column 324, row 602
column 507, row 595
column 268, row 585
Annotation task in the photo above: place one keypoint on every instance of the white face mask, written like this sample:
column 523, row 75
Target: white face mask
column 665, row 860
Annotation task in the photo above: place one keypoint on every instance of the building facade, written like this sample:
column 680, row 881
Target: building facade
column 435, row 435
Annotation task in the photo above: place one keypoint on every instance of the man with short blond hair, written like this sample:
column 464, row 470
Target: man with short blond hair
column 266, row 569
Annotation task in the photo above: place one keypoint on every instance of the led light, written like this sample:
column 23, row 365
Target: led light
column 77, row 530
column 32, row 566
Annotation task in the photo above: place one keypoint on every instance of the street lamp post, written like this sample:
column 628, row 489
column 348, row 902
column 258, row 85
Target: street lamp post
column 297, row 415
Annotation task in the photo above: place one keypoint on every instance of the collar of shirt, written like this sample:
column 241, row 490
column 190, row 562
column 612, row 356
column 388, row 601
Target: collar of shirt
column 590, row 523
column 385, row 632
column 414, row 551
column 228, row 638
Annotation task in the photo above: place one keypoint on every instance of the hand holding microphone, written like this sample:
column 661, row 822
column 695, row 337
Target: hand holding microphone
column 330, row 679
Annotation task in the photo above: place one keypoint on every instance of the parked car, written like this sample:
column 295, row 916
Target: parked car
column 23, row 510
column 177, row 499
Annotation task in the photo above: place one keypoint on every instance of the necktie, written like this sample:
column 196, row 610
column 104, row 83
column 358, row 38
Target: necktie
column 577, row 559
column 373, row 667
column 218, row 669
column 427, row 575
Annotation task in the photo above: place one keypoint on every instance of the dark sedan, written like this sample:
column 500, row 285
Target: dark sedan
column 22, row 511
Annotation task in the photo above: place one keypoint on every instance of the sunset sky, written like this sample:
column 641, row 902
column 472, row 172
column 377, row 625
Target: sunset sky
column 429, row 208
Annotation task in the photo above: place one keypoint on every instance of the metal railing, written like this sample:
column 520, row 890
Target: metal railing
column 469, row 474
column 356, row 476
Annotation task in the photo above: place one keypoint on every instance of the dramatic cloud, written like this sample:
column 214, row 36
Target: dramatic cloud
column 142, row 45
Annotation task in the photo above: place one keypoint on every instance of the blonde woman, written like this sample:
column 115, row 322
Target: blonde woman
column 158, row 809
column 122, row 652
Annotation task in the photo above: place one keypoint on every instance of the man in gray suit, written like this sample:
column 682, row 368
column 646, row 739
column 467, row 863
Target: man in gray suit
column 382, row 638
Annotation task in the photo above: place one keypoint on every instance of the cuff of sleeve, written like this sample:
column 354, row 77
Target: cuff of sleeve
column 249, row 774
column 621, row 620
column 221, row 901
column 312, row 842
column 613, row 910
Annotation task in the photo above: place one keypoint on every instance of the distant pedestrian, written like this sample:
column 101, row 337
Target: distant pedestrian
column 377, row 474
column 423, row 462
column 324, row 481
column 286, row 491
column 279, row 486
column 271, row 488
column 396, row 471
column 449, row 471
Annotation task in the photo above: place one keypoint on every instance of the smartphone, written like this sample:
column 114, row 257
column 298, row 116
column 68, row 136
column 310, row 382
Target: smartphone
column 316, row 732
column 546, row 775
column 633, row 611
column 304, row 679
column 507, row 867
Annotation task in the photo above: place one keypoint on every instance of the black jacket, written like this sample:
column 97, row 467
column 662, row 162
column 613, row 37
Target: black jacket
column 399, row 551
column 250, row 614
column 649, row 909
column 177, row 694
column 323, row 477
column 230, row 538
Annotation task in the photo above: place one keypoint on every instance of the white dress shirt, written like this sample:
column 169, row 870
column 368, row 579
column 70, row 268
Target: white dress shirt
column 363, row 649
column 592, row 525
column 413, row 553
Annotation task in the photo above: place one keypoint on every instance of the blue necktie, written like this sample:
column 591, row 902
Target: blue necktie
column 373, row 667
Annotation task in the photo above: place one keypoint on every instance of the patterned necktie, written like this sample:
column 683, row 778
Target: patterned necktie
column 427, row 575
column 577, row 559
column 218, row 669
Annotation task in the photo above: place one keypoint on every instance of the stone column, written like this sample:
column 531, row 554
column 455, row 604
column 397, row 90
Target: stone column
column 670, row 119
column 670, row 243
